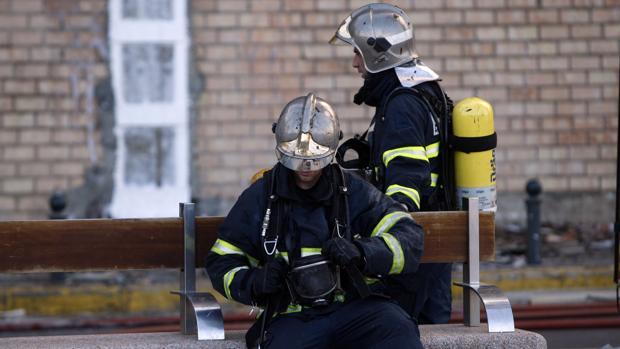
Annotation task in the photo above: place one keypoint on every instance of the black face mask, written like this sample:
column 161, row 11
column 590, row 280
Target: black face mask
column 376, row 86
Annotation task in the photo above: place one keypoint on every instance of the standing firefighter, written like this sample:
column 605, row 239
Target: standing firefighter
column 309, row 243
column 403, row 149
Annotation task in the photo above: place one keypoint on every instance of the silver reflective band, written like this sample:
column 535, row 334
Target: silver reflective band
column 398, row 261
column 400, row 37
column 409, row 192
column 387, row 222
column 432, row 150
column 228, row 279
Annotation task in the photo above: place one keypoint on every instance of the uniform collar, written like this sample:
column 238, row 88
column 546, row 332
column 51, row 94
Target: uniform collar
column 286, row 188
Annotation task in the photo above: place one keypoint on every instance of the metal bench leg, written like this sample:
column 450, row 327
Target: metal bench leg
column 496, row 304
column 200, row 312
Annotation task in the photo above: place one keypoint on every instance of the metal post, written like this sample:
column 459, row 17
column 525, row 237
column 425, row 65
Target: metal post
column 188, row 273
column 58, row 203
column 471, row 270
column 532, row 203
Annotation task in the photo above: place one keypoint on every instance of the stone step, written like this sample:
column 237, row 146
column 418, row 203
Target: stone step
column 433, row 337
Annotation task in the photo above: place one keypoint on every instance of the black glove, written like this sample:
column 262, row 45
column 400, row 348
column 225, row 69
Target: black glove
column 269, row 279
column 343, row 252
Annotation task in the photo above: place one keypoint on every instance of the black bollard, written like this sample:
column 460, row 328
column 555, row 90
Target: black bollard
column 532, row 203
column 58, row 202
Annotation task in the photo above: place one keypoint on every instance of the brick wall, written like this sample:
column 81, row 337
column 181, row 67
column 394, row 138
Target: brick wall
column 48, row 65
column 549, row 67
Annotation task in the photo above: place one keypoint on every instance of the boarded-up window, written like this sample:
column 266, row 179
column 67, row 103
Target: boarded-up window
column 148, row 73
column 149, row 158
column 147, row 9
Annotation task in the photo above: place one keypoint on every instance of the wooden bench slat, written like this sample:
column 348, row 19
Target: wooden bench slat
column 105, row 244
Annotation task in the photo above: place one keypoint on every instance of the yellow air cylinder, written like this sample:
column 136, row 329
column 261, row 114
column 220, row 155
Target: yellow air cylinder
column 474, row 156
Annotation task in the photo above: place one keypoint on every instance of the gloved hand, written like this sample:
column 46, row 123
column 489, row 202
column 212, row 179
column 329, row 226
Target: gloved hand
column 343, row 252
column 269, row 279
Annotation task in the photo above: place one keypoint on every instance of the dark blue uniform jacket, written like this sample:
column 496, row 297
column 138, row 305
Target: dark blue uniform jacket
column 391, row 241
column 405, row 149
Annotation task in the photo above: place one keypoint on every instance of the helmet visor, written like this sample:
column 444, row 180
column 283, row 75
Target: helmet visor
column 342, row 34
column 304, row 146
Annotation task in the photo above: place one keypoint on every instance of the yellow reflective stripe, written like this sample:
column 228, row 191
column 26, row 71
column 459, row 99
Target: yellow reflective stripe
column 434, row 177
column 310, row 251
column 410, row 192
column 432, row 150
column 222, row 247
column 370, row 281
column 305, row 252
column 418, row 153
column 387, row 222
column 398, row 259
column 228, row 279
column 292, row 308
column 283, row 255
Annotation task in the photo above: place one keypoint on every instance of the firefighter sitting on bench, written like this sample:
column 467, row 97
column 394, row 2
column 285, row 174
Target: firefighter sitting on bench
column 310, row 244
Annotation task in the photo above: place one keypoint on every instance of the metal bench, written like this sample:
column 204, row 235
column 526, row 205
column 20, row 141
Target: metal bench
column 182, row 243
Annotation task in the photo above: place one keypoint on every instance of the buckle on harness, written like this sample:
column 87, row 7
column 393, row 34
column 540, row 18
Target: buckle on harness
column 273, row 244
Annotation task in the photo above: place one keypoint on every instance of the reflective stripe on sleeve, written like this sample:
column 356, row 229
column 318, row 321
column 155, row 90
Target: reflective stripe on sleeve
column 409, row 192
column 398, row 259
column 434, row 177
column 432, row 150
column 222, row 248
column 228, row 279
column 388, row 221
column 418, row 153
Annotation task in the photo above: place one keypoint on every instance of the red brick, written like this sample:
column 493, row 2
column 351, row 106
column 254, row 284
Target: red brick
column 556, row 3
column 511, row 17
column 232, row 5
column 604, row 46
column 585, row 62
column 574, row 16
column 522, row 33
column 490, row 3
column 479, row 17
column 19, row 87
column 551, row 63
column 222, row 20
column 448, row 17
column 491, row 33
column 554, row 32
column 585, row 31
column 18, row 120
column 584, row 183
column 543, row 16
column 17, row 186
column 331, row 5
column 19, row 153
column 13, row 21
column 296, row 5
column 542, row 48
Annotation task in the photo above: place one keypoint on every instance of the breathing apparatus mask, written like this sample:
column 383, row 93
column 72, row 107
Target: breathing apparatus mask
column 312, row 281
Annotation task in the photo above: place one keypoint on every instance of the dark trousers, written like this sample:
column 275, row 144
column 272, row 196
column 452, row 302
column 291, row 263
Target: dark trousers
column 371, row 323
column 425, row 295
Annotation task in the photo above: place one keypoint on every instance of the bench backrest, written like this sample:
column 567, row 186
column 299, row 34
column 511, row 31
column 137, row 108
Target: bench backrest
column 104, row 244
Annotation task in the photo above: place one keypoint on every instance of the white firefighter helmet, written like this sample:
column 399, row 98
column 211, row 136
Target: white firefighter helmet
column 382, row 33
column 307, row 134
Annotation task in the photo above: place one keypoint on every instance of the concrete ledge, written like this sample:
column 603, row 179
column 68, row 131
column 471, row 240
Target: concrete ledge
column 459, row 336
column 436, row 336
